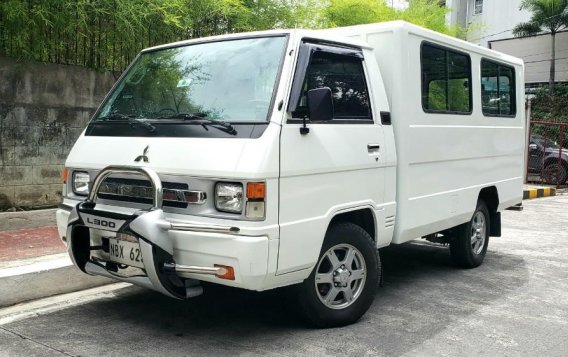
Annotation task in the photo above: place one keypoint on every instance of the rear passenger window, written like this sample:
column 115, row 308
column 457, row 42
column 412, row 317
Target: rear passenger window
column 345, row 77
column 446, row 80
column 497, row 89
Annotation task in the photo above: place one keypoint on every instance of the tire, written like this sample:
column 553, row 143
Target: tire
column 469, row 247
column 554, row 175
column 349, row 288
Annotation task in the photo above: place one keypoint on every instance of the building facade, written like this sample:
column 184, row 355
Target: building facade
column 488, row 20
column 491, row 24
column 536, row 51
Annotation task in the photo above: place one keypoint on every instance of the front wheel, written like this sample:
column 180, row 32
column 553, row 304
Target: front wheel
column 343, row 284
column 469, row 247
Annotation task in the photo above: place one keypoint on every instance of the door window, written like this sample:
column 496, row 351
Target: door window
column 344, row 75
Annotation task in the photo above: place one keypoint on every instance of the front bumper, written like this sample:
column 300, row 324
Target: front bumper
column 175, row 254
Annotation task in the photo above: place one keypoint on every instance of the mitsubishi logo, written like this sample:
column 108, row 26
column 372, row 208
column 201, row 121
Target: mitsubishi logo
column 144, row 156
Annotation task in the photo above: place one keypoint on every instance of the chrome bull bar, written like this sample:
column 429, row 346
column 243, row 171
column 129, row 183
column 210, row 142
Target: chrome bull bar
column 150, row 226
column 158, row 198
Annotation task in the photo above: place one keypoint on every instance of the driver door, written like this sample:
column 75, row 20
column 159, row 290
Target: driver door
column 335, row 167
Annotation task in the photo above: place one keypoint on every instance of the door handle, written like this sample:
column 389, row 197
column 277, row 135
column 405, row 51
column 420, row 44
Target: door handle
column 372, row 148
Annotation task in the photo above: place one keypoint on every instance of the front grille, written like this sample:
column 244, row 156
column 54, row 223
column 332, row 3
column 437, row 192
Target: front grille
column 141, row 191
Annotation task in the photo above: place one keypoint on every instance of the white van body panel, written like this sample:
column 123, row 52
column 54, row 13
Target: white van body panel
column 444, row 160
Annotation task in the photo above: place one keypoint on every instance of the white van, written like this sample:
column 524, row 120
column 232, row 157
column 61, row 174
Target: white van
column 266, row 159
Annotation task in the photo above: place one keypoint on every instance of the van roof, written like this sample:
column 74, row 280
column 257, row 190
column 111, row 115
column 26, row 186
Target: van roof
column 406, row 27
column 220, row 38
column 342, row 34
column 319, row 34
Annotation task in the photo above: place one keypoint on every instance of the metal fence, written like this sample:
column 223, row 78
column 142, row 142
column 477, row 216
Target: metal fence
column 547, row 159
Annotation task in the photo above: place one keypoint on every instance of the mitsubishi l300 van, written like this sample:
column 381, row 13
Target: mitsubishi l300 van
column 290, row 157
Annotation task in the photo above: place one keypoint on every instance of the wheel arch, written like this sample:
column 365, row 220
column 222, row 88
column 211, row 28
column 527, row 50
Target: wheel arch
column 362, row 217
column 490, row 196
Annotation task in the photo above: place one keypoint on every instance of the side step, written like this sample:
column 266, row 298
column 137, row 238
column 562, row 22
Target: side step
column 518, row 207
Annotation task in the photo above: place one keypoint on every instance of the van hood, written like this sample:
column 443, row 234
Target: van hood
column 203, row 157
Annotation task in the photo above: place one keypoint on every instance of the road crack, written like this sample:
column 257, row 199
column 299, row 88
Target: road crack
column 24, row 337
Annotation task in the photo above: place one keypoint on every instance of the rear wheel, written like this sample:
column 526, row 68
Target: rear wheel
column 342, row 286
column 469, row 247
column 555, row 174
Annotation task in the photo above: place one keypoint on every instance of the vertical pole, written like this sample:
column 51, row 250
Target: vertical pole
column 527, row 137
column 560, row 143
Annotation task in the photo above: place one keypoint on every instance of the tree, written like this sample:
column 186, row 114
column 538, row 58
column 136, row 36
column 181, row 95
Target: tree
column 426, row 13
column 356, row 12
column 547, row 15
column 107, row 34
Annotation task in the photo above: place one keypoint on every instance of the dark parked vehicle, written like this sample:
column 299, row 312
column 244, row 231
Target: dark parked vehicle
column 548, row 159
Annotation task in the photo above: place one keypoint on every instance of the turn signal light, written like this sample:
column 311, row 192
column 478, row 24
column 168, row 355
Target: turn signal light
column 64, row 175
column 229, row 273
column 256, row 190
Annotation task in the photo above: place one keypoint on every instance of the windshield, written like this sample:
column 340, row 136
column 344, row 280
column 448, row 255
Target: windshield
column 224, row 81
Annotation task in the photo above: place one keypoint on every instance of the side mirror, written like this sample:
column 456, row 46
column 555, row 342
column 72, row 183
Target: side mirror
column 320, row 104
column 533, row 146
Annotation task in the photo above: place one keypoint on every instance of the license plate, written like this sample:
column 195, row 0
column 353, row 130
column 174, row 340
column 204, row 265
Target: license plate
column 125, row 252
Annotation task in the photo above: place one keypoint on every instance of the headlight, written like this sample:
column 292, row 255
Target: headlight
column 81, row 183
column 229, row 197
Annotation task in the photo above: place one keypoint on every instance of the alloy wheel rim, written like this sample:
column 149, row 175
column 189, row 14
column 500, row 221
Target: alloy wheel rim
column 340, row 276
column 478, row 233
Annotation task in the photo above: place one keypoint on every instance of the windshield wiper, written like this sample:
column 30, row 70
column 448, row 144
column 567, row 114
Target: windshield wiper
column 185, row 116
column 132, row 120
column 201, row 118
column 117, row 116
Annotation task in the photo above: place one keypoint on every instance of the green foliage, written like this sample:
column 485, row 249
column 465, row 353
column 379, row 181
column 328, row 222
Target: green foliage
column 547, row 15
column 426, row 13
column 355, row 12
column 456, row 100
column 429, row 14
column 107, row 34
column 551, row 107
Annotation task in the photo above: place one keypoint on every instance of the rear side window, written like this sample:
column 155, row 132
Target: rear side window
column 497, row 89
column 345, row 77
column 446, row 80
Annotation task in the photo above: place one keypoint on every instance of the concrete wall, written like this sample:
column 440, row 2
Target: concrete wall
column 43, row 109
column 458, row 12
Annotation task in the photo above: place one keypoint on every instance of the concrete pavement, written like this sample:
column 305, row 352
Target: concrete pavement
column 29, row 243
column 11, row 221
column 28, row 234
column 515, row 304
column 33, row 259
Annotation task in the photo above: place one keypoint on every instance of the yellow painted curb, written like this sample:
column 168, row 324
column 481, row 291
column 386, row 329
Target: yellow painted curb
column 531, row 193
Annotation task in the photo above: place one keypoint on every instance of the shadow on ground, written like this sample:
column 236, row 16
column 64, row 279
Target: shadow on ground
column 422, row 294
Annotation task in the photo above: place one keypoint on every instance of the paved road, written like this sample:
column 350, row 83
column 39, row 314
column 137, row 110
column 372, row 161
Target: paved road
column 515, row 304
